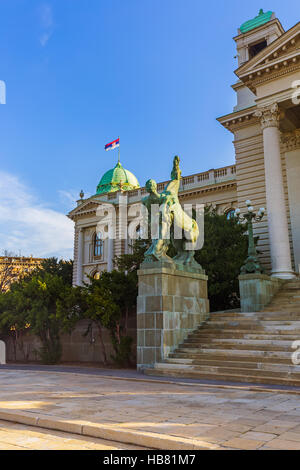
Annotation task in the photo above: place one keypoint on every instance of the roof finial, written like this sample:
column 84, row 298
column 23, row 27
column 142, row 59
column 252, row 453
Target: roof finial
column 261, row 11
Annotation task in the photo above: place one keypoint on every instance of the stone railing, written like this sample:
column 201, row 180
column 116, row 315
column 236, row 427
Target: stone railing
column 194, row 181
column 206, row 178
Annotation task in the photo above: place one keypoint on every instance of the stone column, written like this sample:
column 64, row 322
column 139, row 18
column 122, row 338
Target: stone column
column 110, row 255
column 79, row 257
column 277, row 215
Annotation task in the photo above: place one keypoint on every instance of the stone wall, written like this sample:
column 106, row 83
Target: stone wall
column 77, row 347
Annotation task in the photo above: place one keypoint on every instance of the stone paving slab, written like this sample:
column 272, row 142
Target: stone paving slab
column 151, row 414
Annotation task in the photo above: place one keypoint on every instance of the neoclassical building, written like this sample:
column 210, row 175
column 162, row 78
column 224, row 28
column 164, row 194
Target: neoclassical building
column 265, row 124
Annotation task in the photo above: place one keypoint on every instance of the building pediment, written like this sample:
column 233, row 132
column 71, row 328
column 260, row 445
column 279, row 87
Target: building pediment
column 86, row 208
column 281, row 57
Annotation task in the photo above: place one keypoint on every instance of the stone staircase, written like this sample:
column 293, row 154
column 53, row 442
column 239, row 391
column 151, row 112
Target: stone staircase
column 242, row 347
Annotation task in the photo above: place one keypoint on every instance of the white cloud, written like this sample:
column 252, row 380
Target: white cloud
column 69, row 198
column 47, row 23
column 44, row 38
column 28, row 226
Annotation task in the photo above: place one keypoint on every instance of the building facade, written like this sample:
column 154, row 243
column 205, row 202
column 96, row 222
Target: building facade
column 265, row 124
column 13, row 268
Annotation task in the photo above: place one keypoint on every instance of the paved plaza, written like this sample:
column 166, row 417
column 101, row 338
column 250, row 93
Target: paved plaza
column 148, row 413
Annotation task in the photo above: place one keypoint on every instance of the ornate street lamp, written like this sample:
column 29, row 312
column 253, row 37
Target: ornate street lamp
column 252, row 264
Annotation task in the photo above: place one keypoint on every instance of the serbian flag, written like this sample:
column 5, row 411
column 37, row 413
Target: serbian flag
column 113, row 145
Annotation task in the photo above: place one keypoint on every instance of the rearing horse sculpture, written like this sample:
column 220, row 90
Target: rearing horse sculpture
column 175, row 225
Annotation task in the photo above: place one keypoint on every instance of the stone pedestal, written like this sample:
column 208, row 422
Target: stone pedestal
column 172, row 302
column 257, row 290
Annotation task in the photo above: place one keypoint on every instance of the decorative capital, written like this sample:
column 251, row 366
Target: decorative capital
column 291, row 140
column 269, row 116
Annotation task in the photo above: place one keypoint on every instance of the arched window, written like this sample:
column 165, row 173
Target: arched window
column 230, row 214
column 98, row 245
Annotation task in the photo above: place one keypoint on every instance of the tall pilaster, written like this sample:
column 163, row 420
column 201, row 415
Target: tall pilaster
column 80, row 257
column 277, row 216
column 110, row 255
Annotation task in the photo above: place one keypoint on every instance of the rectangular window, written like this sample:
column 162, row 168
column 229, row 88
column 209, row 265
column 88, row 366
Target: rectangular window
column 256, row 48
column 98, row 246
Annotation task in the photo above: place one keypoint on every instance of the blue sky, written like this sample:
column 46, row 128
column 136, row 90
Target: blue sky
column 81, row 72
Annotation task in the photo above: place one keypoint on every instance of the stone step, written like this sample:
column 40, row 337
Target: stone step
column 226, row 377
column 205, row 336
column 285, row 300
column 284, row 309
column 247, row 336
column 293, row 372
column 255, row 345
column 260, row 316
column 251, row 325
column 206, row 358
column 226, row 353
column 232, row 346
column 287, row 294
column 251, row 342
column 272, row 366
column 289, row 287
column 250, row 322
column 276, row 329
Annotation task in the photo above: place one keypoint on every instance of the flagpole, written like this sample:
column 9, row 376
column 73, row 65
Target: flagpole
column 119, row 151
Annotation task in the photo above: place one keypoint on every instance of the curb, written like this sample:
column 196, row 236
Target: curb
column 109, row 432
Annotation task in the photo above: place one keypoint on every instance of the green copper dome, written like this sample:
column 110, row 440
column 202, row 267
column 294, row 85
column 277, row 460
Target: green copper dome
column 259, row 20
column 117, row 178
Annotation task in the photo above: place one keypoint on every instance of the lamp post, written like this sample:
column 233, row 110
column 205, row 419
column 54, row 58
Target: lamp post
column 252, row 264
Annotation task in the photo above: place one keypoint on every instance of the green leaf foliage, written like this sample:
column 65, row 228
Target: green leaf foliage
column 224, row 252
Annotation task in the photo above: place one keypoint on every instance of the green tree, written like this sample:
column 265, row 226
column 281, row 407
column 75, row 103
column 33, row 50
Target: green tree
column 93, row 302
column 123, row 289
column 14, row 322
column 102, row 310
column 61, row 268
column 131, row 262
column 32, row 302
column 107, row 303
column 223, row 253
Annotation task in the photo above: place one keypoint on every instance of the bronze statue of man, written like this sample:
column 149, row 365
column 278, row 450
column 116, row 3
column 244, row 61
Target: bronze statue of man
column 175, row 226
